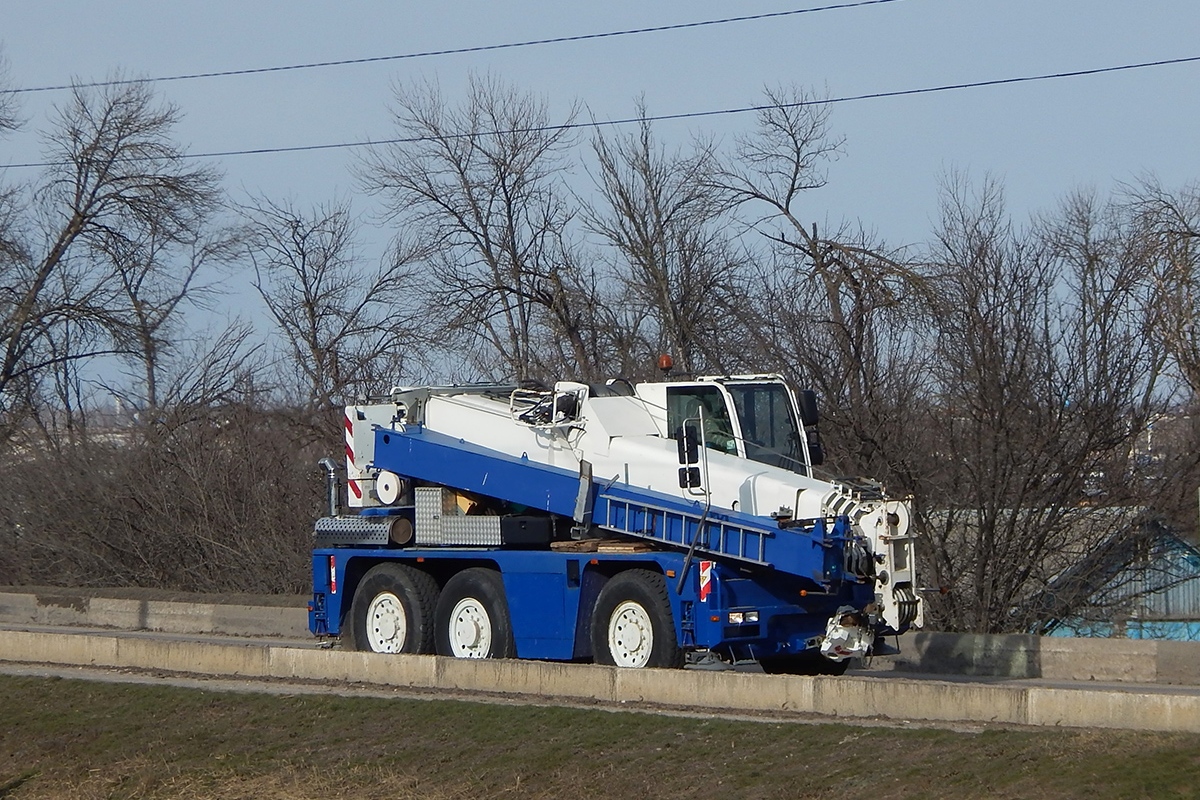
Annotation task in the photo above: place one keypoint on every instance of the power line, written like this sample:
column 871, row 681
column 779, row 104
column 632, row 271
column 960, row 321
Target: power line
column 458, row 50
column 679, row 116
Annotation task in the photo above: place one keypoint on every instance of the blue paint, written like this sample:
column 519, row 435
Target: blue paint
column 547, row 615
column 426, row 455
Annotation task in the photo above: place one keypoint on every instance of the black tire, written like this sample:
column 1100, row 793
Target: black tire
column 392, row 611
column 472, row 617
column 632, row 624
column 804, row 664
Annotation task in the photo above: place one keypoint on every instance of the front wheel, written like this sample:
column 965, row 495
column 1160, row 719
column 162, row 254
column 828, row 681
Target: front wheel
column 632, row 624
column 472, row 616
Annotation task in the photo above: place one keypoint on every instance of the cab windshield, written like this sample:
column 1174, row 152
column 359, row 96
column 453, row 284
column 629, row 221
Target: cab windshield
column 768, row 422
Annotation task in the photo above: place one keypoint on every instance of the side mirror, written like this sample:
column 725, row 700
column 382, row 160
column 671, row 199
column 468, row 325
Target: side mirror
column 689, row 477
column 809, row 418
column 816, row 454
column 688, row 440
column 808, row 408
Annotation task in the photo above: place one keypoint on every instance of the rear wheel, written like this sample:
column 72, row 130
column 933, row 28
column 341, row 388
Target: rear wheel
column 632, row 624
column 392, row 610
column 472, row 616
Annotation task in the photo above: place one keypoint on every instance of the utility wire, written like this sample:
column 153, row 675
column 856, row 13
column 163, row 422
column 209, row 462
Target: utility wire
column 458, row 50
column 679, row 116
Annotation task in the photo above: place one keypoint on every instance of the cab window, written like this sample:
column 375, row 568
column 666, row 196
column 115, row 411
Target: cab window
column 687, row 402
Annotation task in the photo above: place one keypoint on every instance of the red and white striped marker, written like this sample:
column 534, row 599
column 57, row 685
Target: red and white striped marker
column 351, row 469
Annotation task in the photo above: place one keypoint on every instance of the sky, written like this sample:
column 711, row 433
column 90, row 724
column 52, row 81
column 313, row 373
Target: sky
column 1041, row 139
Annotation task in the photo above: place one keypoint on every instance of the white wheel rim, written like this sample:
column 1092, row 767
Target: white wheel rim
column 630, row 635
column 387, row 624
column 470, row 629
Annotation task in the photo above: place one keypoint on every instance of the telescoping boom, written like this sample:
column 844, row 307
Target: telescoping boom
column 657, row 524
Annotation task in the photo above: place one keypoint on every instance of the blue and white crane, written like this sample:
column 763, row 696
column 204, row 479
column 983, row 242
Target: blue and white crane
column 656, row 524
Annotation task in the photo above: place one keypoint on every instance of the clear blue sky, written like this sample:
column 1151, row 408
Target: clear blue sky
column 1041, row 139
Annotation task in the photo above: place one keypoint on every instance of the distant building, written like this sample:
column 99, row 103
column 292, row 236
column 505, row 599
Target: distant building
column 1140, row 584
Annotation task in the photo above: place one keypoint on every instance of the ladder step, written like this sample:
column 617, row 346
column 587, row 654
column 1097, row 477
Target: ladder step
column 677, row 528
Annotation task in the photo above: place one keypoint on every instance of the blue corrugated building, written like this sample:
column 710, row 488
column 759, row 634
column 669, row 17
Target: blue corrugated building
column 1143, row 583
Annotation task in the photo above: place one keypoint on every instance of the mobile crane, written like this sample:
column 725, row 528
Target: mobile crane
column 658, row 524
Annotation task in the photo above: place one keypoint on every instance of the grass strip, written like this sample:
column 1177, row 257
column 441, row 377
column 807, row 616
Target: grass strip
column 80, row 739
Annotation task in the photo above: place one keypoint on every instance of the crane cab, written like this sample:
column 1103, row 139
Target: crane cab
column 756, row 417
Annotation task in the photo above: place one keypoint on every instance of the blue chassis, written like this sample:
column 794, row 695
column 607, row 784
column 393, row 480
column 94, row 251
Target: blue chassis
column 551, row 595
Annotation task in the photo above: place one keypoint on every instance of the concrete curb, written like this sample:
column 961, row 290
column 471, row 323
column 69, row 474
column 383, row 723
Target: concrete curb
column 1047, row 657
column 848, row 697
column 67, row 608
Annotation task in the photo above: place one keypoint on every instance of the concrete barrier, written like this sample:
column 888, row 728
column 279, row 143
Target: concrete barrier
column 533, row 678
column 727, row 691
column 942, row 701
column 71, row 608
column 845, row 697
column 1098, row 659
column 1008, row 656
column 418, row 672
column 82, row 651
column 1047, row 657
column 1127, row 710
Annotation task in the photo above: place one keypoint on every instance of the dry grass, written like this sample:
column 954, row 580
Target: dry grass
column 74, row 739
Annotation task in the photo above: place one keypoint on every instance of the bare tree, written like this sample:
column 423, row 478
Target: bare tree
column 115, row 174
column 9, row 122
column 1171, row 225
column 586, row 329
column 784, row 158
column 218, row 502
column 1044, row 376
column 1167, row 224
column 480, row 185
column 347, row 329
column 666, row 222
column 10, row 119
column 157, row 280
column 838, row 308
